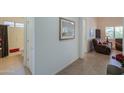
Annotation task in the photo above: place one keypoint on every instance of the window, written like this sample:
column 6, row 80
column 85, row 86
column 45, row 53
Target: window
column 114, row 32
column 10, row 24
column 119, row 32
column 19, row 25
column 109, row 32
column 13, row 24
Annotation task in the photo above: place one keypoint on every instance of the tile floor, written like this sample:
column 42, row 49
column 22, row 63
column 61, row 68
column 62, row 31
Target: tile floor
column 13, row 65
column 92, row 64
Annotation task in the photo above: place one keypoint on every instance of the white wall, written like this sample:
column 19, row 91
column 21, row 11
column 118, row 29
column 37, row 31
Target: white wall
column 91, row 25
column 83, row 42
column 81, row 39
column 51, row 54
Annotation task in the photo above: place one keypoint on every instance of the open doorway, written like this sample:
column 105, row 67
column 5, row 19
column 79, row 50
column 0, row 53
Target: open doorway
column 12, row 45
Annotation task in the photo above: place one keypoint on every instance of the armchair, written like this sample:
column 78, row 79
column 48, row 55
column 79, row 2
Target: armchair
column 101, row 48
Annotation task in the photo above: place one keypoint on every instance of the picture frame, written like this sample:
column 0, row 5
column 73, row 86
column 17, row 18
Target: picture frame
column 67, row 29
column 92, row 33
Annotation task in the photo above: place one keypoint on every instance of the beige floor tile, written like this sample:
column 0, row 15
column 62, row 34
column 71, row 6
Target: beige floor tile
column 13, row 65
column 92, row 64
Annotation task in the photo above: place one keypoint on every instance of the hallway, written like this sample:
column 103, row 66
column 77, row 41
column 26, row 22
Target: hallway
column 93, row 64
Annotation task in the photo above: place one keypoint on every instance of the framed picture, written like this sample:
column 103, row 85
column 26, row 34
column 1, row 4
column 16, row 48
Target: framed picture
column 92, row 33
column 67, row 29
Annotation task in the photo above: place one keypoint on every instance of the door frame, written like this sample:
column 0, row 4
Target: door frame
column 29, row 44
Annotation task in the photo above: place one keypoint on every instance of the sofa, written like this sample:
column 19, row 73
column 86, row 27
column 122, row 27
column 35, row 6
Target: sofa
column 101, row 48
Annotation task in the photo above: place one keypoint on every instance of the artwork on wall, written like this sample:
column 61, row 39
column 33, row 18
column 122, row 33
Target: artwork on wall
column 67, row 29
column 98, row 33
column 91, row 33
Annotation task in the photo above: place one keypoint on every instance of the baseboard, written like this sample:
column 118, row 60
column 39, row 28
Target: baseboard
column 66, row 66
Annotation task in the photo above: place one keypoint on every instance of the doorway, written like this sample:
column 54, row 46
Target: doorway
column 13, row 48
